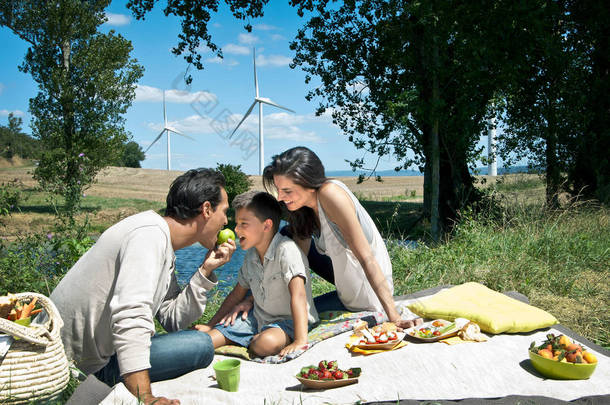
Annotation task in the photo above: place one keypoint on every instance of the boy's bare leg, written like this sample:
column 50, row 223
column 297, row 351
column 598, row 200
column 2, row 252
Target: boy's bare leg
column 218, row 339
column 269, row 342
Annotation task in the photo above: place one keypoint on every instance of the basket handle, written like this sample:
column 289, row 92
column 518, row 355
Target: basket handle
column 36, row 334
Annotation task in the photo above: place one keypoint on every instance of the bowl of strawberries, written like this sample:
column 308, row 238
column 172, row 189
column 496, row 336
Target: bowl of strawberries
column 327, row 374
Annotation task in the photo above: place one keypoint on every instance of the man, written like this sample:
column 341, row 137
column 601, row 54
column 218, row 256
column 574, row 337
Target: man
column 110, row 296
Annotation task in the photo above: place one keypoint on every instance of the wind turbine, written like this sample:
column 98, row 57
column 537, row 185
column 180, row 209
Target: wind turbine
column 169, row 130
column 260, row 101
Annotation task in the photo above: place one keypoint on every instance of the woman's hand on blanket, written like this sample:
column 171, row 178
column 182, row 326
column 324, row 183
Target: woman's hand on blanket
column 408, row 323
column 292, row 347
column 243, row 307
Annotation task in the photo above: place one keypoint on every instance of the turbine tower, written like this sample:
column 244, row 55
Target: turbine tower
column 492, row 166
column 169, row 130
column 260, row 101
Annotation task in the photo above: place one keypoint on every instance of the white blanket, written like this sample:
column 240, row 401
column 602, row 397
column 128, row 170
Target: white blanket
column 423, row 371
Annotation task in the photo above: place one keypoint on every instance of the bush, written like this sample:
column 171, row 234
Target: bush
column 10, row 196
column 237, row 182
column 37, row 263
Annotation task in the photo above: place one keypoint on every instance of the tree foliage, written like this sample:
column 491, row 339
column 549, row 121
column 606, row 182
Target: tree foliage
column 554, row 105
column 132, row 155
column 236, row 181
column 86, row 82
column 402, row 76
column 13, row 142
column 195, row 17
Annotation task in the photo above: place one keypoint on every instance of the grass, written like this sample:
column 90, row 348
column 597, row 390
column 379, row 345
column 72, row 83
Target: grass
column 558, row 259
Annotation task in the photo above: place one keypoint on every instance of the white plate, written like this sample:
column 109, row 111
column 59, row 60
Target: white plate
column 382, row 346
column 413, row 332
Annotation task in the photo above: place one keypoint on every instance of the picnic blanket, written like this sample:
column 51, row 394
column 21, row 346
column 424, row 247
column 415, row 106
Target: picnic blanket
column 424, row 371
column 331, row 323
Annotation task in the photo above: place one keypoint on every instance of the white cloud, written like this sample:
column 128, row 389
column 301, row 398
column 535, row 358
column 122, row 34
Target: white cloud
column 265, row 27
column 284, row 118
column 277, row 126
column 277, row 37
column 215, row 60
column 16, row 113
column 117, row 19
column 2, row 87
column 248, row 39
column 153, row 94
column 273, row 60
column 221, row 61
column 233, row 49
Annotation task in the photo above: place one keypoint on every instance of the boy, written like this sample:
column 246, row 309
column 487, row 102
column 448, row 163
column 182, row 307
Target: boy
column 276, row 272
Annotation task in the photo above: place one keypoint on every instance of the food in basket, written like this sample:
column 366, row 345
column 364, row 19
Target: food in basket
column 7, row 303
column 13, row 310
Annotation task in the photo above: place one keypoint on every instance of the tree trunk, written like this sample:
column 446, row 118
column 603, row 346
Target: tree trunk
column 435, row 220
column 553, row 175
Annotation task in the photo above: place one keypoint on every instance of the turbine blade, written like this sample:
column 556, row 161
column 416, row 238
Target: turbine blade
column 156, row 139
column 245, row 116
column 268, row 101
column 175, row 131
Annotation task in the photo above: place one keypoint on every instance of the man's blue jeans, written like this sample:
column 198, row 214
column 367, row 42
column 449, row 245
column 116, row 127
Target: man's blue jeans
column 171, row 355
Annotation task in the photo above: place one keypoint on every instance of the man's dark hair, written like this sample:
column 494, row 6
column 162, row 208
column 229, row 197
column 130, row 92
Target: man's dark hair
column 191, row 189
column 263, row 205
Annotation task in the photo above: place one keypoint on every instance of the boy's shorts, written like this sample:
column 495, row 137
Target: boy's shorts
column 242, row 332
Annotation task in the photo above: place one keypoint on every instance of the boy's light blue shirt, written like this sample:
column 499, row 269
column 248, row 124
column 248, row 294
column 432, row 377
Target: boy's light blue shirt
column 268, row 281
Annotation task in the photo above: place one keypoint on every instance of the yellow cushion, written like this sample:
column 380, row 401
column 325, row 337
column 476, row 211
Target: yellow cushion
column 492, row 311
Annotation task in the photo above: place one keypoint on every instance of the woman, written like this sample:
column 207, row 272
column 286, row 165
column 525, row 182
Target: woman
column 342, row 229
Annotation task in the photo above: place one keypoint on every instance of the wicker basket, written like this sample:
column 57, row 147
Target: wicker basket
column 35, row 367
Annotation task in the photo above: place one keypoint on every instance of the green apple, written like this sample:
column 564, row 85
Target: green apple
column 224, row 235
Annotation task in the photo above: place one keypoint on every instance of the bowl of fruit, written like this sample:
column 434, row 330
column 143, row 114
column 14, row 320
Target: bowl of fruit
column 558, row 357
column 327, row 374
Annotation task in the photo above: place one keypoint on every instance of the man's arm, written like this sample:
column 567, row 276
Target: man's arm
column 180, row 308
column 298, row 308
column 138, row 383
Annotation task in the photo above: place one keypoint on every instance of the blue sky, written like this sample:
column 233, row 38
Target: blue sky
column 218, row 96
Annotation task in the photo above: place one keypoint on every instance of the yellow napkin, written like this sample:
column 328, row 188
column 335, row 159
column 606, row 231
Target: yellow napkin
column 352, row 343
column 455, row 340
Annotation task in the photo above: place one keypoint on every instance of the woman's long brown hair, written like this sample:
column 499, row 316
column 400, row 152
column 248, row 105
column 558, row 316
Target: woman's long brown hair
column 304, row 168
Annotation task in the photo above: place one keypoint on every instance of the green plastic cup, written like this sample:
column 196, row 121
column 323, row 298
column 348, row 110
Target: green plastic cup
column 227, row 374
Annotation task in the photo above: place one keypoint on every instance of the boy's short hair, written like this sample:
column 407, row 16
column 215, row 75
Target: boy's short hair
column 191, row 189
column 263, row 205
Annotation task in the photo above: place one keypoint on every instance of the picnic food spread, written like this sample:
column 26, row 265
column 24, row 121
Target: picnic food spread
column 327, row 374
column 558, row 357
column 433, row 330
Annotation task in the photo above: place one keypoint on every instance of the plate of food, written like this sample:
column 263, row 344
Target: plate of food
column 380, row 337
column 433, row 330
column 327, row 374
